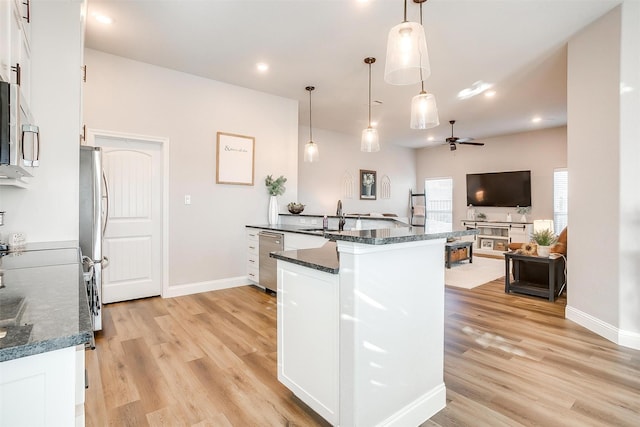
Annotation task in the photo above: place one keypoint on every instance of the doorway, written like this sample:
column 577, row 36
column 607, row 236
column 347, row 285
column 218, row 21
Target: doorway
column 134, row 240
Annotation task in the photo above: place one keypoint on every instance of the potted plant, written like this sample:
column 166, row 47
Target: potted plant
column 275, row 187
column 544, row 239
column 523, row 210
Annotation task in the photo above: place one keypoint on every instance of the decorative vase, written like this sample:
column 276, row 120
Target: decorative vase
column 273, row 210
column 523, row 218
column 544, row 251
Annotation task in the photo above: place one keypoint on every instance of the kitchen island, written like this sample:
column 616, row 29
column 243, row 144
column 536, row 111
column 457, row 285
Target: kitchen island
column 361, row 325
column 44, row 326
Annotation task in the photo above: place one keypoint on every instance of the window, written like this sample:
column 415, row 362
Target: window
column 560, row 199
column 439, row 202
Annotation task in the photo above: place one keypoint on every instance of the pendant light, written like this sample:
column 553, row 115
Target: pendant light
column 370, row 142
column 311, row 153
column 424, row 111
column 407, row 55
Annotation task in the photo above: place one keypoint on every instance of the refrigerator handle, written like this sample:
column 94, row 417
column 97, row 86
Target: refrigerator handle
column 106, row 197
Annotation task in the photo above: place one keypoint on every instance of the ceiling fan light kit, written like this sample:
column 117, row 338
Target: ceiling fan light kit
column 370, row 141
column 407, row 56
column 453, row 140
column 311, row 152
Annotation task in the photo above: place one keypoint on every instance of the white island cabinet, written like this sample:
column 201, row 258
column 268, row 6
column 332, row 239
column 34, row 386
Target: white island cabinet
column 361, row 329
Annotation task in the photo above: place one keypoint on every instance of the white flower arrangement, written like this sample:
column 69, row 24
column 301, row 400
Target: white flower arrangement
column 367, row 179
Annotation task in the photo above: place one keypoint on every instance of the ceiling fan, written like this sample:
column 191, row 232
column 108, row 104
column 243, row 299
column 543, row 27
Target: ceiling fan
column 453, row 140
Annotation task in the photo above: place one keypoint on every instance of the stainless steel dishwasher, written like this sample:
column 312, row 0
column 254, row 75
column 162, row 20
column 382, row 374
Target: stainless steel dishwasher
column 269, row 242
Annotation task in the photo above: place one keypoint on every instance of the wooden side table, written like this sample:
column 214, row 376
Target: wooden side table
column 552, row 289
column 457, row 247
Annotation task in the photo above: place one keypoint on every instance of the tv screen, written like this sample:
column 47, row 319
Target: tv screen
column 505, row 189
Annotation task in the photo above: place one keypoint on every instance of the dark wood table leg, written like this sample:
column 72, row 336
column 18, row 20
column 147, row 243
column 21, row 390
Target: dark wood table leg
column 552, row 280
column 448, row 257
column 507, row 282
column 470, row 253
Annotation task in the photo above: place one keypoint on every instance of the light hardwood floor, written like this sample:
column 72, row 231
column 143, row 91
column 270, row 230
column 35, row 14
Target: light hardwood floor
column 210, row 360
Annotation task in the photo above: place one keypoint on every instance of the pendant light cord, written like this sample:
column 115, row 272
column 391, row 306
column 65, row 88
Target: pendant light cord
column 421, row 79
column 309, row 89
column 370, row 91
column 310, row 127
column 405, row 11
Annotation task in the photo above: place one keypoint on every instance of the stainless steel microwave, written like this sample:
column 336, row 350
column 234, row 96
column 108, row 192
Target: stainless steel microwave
column 19, row 137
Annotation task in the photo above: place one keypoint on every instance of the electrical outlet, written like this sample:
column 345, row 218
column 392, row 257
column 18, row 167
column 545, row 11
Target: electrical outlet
column 303, row 221
column 187, row 199
column 314, row 221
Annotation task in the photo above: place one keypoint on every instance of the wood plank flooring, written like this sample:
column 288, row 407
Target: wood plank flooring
column 210, row 360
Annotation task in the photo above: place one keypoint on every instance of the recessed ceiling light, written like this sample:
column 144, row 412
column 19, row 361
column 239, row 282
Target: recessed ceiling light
column 431, row 138
column 624, row 88
column 536, row 119
column 103, row 19
column 490, row 93
column 475, row 89
column 262, row 67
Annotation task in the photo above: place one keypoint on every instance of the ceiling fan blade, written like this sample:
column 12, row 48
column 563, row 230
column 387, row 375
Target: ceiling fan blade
column 471, row 143
column 465, row 139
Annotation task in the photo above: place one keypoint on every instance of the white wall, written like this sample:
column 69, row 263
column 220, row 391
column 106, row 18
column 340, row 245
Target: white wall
column 206, row 238
column 538, row 151
column 48, row 210
column 603, row 133
column 320, row 184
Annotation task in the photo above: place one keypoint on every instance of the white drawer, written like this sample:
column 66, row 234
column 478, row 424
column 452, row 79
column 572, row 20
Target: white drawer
column 253, row 274
column 252, row 234
column 252, row 248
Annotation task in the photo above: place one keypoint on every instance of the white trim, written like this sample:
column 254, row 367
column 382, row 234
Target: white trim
column 604, row 329
column 164, row 143
column 209, row 285
column 425, row 406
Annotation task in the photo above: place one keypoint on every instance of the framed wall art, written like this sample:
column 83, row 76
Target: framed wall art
column 235, row 158
column 368, row 183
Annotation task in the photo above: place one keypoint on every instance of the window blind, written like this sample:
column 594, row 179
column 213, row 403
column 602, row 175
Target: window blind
column 560, row 199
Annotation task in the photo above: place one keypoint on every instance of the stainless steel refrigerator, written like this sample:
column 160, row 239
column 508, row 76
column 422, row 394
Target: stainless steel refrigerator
column 94, row 213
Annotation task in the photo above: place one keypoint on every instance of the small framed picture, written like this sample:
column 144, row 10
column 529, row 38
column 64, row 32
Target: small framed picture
column 368, row 184
column 486, row 244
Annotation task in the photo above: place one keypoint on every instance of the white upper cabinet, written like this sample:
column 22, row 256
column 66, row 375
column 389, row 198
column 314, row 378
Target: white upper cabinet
column 15, row 44
column 5, row 39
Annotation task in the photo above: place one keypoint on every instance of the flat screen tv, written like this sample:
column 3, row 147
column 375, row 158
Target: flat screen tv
column 505, row 189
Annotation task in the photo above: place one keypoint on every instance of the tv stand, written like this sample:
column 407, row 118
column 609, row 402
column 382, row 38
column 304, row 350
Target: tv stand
column 493, row 237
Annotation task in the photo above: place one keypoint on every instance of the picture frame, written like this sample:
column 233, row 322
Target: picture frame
column 486, row 244
column 368, row 184
column 235, row 159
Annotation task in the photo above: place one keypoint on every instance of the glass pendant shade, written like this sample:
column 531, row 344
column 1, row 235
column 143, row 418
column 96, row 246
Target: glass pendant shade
column 311, row 153
column 424, row 111
column 370, row 142
column 407, row 56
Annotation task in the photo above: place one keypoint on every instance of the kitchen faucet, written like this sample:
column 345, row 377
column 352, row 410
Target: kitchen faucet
column 341, row 222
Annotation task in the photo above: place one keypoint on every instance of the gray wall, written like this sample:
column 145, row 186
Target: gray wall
column 538, row 151
column 604, row 205
column 206, row 238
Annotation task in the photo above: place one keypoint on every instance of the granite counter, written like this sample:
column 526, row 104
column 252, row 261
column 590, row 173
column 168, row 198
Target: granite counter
column 43, row 303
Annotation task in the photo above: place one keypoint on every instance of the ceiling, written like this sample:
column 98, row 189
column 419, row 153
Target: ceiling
column 518, row 46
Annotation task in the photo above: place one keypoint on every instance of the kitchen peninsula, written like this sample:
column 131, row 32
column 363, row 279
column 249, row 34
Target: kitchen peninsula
column 361, row 325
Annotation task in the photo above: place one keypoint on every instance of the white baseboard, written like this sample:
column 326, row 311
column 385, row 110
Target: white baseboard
column 211, row 285
column 420, row 410
column 604, row 329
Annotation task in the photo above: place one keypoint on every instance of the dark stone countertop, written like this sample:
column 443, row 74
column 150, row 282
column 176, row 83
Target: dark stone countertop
column 311, row 230
column 43, row 303
column 386, row 236
column 324, row 258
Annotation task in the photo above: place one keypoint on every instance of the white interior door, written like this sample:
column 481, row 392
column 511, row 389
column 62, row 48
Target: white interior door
column 133, row 236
